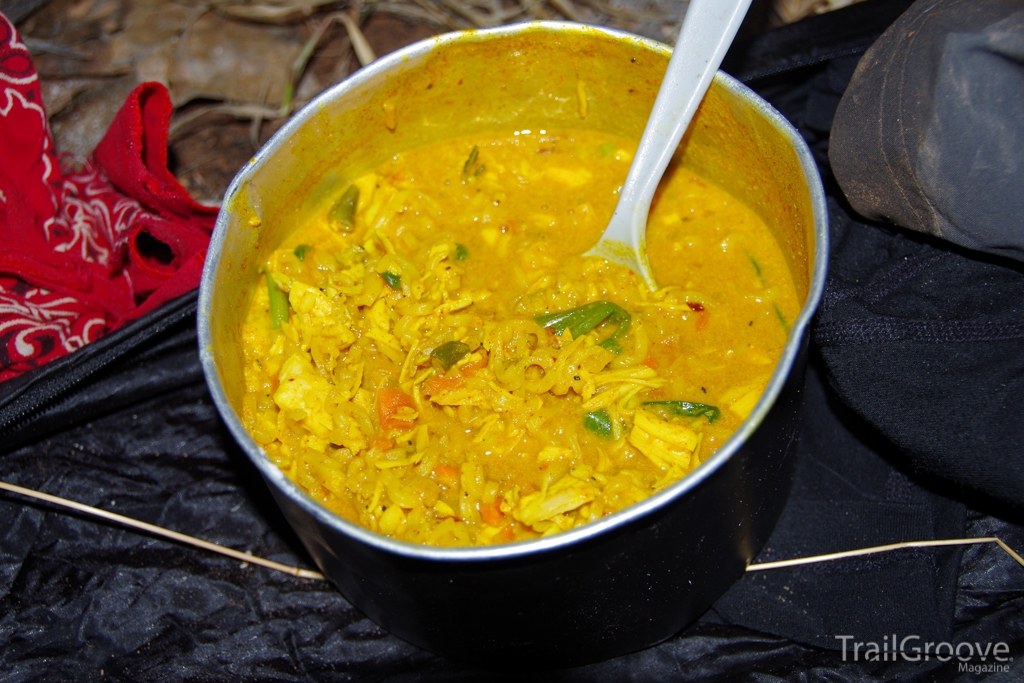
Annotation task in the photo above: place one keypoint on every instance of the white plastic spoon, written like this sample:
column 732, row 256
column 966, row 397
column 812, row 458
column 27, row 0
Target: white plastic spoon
column 706, row 34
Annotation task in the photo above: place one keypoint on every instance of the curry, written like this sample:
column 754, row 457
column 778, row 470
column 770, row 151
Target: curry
column 431, row 356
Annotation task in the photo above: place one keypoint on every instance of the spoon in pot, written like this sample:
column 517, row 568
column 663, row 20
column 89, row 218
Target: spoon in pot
column 707, row 31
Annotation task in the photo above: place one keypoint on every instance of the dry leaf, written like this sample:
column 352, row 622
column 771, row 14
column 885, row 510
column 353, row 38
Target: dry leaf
column 149, row 26
column 222, row 59
column 58, row 94
column 79, row 126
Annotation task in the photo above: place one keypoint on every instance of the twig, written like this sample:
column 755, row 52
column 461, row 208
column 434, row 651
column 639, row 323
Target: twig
column 882, row 549
column 160, row 531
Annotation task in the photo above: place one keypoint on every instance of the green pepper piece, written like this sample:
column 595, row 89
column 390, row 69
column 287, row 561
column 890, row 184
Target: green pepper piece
column 278, row 304
column 687, row 409
column 599, row 422
column 301, row 251
column 585, row 318
column 343, row 214
column 393, row 281
column 461, row 252
column 448, row 354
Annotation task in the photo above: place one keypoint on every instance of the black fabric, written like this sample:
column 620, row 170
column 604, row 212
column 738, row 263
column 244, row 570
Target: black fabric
column 930, row 134
column 927, row 344
column 846, row 495
column 136, row 433
column 93, row 380
column 816, row 40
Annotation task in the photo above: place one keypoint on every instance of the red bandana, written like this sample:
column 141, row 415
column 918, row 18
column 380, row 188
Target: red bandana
column 86, row 249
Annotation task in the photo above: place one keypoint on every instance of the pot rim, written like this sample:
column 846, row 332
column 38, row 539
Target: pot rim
column 592, row 530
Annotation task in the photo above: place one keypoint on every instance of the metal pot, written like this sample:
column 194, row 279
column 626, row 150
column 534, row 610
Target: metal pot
column 633, row 578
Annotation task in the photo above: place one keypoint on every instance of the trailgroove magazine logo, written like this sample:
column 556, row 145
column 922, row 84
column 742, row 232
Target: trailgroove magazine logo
column 973, row 657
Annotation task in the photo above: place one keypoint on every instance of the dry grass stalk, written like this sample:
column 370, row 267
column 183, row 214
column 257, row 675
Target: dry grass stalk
column 160, row 531
column 244, row 112
column 419, row 13
column 617, row 13
column 789, row 11
column 364, row 53
column 883, row 549
column 271, row 12
column 566, row 7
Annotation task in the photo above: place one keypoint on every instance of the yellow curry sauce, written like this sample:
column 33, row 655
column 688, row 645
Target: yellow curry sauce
column 431, row 357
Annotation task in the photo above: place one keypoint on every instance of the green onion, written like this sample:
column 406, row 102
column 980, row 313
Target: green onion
column 461, row 252
column 448, row 354
column 686, row 409
column 394, row 281
column 782, row 318
column 471, row 161
column 599, row 422
column 757, row 266
column 606, row 150
column 343, row 214
column 585, row 318
column 301, row 251
column 278, row 304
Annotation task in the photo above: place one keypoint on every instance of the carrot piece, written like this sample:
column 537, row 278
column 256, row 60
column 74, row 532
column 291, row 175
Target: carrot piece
column 389, row 401
column 702, row 321
column 456, row 379
column 439, row 385
column 491, row 513
column 651, row 362
column 507, row 534
column 381, row 443
column 446, row 473
column 468, row 369
column 657, row 394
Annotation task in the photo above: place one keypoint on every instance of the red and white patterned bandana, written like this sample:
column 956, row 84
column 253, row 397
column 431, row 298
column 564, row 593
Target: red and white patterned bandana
column 84, row 249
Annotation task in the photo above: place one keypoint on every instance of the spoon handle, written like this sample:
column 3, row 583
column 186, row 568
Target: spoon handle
column 706, row 34
column 708, row 29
